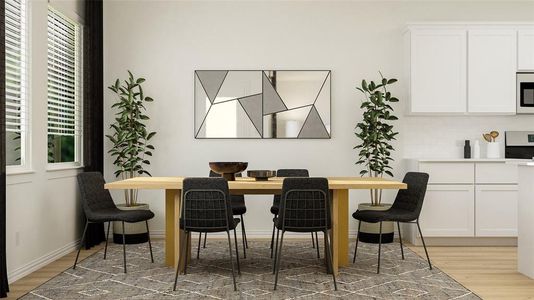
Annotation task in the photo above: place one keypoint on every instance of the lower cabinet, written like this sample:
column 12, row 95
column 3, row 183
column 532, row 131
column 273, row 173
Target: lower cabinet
column 496, row 210
column 448, row 211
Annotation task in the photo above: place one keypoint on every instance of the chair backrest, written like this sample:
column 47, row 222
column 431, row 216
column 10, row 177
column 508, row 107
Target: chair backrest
column 236, row 199
column 94, row 196
column 206, row 204
column 289, row 173
column 305, row 204
column 411, row 199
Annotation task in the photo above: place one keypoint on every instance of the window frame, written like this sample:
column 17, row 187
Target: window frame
column 79, row 92
column 25, row 165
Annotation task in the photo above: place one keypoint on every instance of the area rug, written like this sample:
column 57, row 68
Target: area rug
column 302, row 275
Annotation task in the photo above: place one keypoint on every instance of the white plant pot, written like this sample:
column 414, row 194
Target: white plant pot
column 135, row 233
column 493, row 150
column 369, row 232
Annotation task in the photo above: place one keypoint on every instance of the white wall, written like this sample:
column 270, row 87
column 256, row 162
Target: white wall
column 43, row 210
column 165, row 41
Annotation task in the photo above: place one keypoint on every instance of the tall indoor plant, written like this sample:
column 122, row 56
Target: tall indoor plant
column 376, row 133
column 131, row 146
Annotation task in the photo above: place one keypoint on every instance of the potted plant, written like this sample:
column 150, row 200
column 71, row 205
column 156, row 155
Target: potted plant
column 374, row 152
column 131, row 149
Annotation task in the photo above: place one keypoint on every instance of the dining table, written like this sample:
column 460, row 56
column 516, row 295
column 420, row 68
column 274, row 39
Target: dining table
column 339, row 204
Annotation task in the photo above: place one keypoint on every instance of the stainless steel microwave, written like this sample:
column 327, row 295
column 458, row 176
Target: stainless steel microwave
column 525, row 93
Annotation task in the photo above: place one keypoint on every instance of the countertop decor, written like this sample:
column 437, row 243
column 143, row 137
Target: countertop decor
column 228, row 169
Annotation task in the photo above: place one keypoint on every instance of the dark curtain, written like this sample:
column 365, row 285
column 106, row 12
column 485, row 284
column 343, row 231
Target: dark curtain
column 93, row 125
column 4, row 287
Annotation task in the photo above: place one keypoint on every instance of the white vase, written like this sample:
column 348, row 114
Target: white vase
column 493, row 150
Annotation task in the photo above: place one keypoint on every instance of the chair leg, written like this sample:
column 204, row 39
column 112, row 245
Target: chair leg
column 278, row 256
column 178, row 266
column 357, row 238
column 329, row 255
column 243, row 238
column 276, row 250
column 313, row 240
column 231, row 260
column 272, row 242
column 124, row 247
column 205, row 237
column 107, row 238
column 317, row 244
column 82, row 241
column 379, row 248
column 149, row 242
column 400, row 239
column 424, row 246
column 237, row 253
column 199, row 240
column 187, row 246
column 244, row 231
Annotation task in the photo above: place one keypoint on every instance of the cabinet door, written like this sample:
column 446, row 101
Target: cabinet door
column 525, row 50
column 448, row 173
column 492, row 64
column 448, row 211
column 438, row 71
column 496, row 210
column 499, row 173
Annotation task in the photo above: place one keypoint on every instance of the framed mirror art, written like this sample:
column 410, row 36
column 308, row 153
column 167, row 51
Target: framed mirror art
column 268, row 104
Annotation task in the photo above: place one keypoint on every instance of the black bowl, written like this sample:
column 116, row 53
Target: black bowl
column 228, row 169
column 261, row 175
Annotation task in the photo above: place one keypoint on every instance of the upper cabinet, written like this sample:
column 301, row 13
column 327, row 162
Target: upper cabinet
column 492, row 64
column 525, row 50
column 438, row 70
column 467, row 69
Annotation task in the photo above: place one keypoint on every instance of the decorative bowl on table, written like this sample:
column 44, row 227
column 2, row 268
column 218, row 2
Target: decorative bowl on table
column 261, row 175
column 228, row 169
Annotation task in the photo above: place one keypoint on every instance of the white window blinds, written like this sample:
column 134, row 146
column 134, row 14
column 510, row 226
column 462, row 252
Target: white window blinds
column 64, row 76
column 16, row 81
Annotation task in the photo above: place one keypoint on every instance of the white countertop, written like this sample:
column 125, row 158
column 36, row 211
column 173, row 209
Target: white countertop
column 472, row 160
column 526, row 164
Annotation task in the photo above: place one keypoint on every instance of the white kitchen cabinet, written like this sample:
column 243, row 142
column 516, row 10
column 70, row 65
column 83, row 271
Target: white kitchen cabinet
column 496, row 210
column 525, row 50
column 438, row 70
column 492, row 64
column 496, row 173
column 448, row 173
column 448, row 211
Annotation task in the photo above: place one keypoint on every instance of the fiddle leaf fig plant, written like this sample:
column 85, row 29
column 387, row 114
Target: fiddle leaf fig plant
column 130, row 137
column 376, row 131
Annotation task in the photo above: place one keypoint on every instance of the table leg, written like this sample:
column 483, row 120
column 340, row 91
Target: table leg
column 340, row 229
column 174, row 237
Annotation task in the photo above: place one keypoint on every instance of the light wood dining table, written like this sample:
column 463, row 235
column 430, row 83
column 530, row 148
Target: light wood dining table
column 339, row 191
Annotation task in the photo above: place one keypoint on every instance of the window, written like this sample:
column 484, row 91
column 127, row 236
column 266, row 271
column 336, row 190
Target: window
column 16, row 84
column 64, row 89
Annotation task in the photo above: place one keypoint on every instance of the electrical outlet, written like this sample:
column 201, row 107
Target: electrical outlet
column 17, row 238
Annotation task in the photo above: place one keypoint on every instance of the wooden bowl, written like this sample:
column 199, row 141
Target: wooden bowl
column 261, row 175
column 228, row 169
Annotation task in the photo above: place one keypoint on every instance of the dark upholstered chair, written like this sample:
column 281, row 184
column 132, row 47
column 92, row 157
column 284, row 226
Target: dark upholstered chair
column 99, row 208
column 206, row 207
column 276, row 202
column 304, row 207
column 406, row 209
column 238, row 209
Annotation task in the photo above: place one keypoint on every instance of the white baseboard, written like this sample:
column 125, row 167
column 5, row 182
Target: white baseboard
column 42, row 261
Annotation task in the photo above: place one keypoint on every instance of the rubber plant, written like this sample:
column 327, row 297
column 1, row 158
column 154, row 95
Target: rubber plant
column 130, row 137
column 376, row 131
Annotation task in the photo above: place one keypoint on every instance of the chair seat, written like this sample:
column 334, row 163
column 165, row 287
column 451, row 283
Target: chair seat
column 115, row 214
column 238, row 208
column 278, row 225
column 392, row 214
column 275, row 209
column 211, row 229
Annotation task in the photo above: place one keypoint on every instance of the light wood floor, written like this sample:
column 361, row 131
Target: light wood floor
column 490, row 272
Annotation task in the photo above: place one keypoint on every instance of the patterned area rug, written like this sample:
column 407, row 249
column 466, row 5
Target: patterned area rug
column 302, row 275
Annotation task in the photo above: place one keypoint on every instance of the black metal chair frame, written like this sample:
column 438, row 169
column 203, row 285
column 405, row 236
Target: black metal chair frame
column 184, row 251
column 324, row 229
column 400, row 241
column 107, row 238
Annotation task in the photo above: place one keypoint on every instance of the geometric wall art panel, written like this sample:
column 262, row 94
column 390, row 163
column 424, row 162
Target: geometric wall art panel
column 268, row 104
